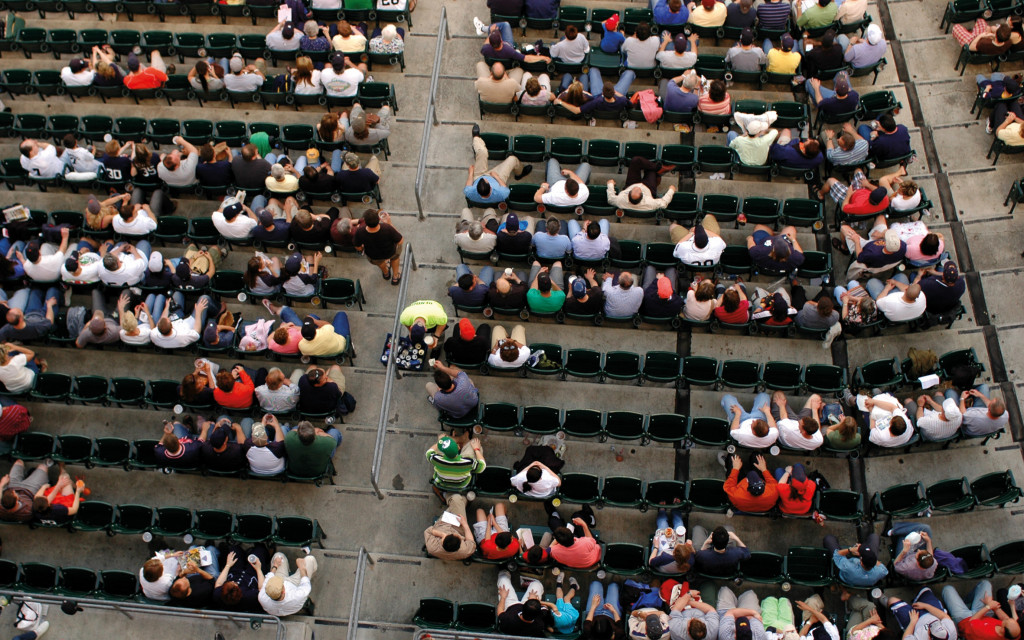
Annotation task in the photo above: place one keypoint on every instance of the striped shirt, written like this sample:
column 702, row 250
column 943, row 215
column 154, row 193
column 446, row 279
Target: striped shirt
column 856, row 155
column 773, row 15
column 454, row 474
column 932, row 427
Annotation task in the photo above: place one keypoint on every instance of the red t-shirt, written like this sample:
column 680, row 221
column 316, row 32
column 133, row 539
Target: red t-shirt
column 490, row 550
column 800, row 505
column 983, row 628
column 739, row 316
column 148, row 78
column 860, row 204
column 240, row 396
column 583, row 553
column 741, row 498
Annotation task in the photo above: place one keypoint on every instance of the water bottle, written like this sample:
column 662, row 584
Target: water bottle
column 147, row 536
column 786, row 586
column 178, row 409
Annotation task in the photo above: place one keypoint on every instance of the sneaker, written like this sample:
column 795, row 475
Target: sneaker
column 481, row 28
column 722, row 457
column 574, row 584
column 561, row 578
column 41, row 628
column 988, row 127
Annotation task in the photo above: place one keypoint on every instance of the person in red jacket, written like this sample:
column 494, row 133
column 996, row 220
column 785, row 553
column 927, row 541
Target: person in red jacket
column 983, row 619
column 757, row 492
column 234, row 389
column 796, row 490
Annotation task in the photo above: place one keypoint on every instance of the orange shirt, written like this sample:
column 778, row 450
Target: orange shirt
column 148, row 78
column 741, row 498
column 240, row 396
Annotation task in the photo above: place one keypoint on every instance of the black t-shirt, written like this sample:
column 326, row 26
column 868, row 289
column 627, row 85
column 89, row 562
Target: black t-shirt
column 511, row 624
column 250, row 174
column 230, row 459
column 379, row 245
column 146, row 176
column 593, row 304
column 656, row 306
column 201, row 596
column 278, row 234
column 214, row 174
column 58, row 515
column 188, row 459
column 467, row 351
column 319, row 232
column 322, row 183
column 519, row 243
column 195, row 281
column 938, row 296
column 317, row 399
column 822, row 58
column 514, row 299
column 475, row 297
column 506, row 7
column 117, row 167
column 761, row 256
column 358, row 181
column 160, row 279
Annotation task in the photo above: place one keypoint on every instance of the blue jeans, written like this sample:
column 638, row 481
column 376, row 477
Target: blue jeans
column 983, row 389
column 955, row 604
column 732, row 136
column 486, row 273
column 155, row 302
column 179, row 299
column 505, row 29
column 609, row 595
column 757, row 412
column 574, row 227
column 301, row 163
column 181, row 431
column 260, row 201
column 662, row 523
column 826, row 93
column 874, row 286
column 334, row 433
column 214, row 568
column 900, row 530
column 31, row 300
column 288, row 315
column 594, row 84
column 864, row 131
column 843, row 41
column 554, row 172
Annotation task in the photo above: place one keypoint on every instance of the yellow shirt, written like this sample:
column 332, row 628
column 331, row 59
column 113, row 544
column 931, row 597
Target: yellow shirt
column 714, row 18
column 781, row 62
column 1011, row 134
column 325, row 343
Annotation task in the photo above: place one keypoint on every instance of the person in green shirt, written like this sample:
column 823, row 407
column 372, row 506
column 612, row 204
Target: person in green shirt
column 753, row 148
column 816, row 16
column 309, row 448
column 545, row 294
column 422, row 316
column 453, row 466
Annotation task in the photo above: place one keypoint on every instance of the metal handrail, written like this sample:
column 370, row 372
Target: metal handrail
column 391, row 371
column 431, row 115
column 357, row 593
column 455, row 634
column 127, row 608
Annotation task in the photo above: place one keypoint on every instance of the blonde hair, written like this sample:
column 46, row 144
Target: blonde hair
column 303, row 70
column 128, row 322
column 4, row 353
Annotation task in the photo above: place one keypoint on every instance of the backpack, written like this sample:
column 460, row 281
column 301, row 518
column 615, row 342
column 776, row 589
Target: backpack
column 963, row 376
column 922, row 362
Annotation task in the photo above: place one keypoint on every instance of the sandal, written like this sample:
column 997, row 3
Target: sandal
column 267, row 304
column 397, row 279
column 387, row 274
column 840, row 246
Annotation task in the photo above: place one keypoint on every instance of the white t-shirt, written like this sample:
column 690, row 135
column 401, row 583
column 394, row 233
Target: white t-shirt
column 91, row 263
column 15, row 375
column 291, row 601
column 556, row 195
column 263, row 462
column 45, row 164
column 391, row 5
column 326, row 4
column 46, row 269
column 161, row 589
column 897, row 309
column 903, row 203
column 184, row 175
column 495, row 360
column 571, row 51
column 543, row 488
column 311, row 87
column 243, row 82
column 791, row 435
column 141, row 339
column 183, row 333
column 744, row 436
column 709, row 255
column 237, row 229
column 130, row 272
column 669, row 60
column 341, row 85
column 276, row 42
column 880, row 435
column 80, row 160
column 140, row 225
column 83, row 78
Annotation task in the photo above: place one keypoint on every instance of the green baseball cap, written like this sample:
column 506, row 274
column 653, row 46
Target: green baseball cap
column 449, row 448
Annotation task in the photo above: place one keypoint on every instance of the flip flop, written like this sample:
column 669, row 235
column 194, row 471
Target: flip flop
column 840, row 246
column 396, row 280
column 267, row 305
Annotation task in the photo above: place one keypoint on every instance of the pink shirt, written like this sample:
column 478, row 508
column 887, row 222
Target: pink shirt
column 914, row 249
column 292, row 346
column 584, row 552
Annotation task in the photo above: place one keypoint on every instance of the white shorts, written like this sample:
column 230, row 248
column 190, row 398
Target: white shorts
column 480, row 527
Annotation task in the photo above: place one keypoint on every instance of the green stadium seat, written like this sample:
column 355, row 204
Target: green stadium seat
column 952, row 495
column 51, row 387
column 568, row 151
column 500, row 416
column 739, row 374
column 475, row 617
column 701, row 371
column 603, row 153
column 93, row 515
column 110, row 452
column 493, row 482
column 709, row 431
column 118, row 585
column 669, row 494
column 134, row 519
column 172, row 521
column 824, row 378
column 761, row 210
column 900, row 500
column 976, row 556
column 529, row 148
column 624, row 425
column 78, row 581
column 580, row 488
column 995, row 489
column 251, row 528
column 213, row 524
column 667, row 427
column 622, row 491
column 541, row 420
column 809, row 566
column 297, row 531
column 884, row 374
column 553, row 353
column 434, row 613
column 125, row 391
column 89, row 389
column 33, row 445
column 623, row 558
column 836, row 504
column 783, row 376
column 764, row 567
column 73, row 449
column 583, row 423
column 38, row 577
column 9, row 574
column 338, row 291
column 621, row 365
column 582, row 363
column 707, row 494
column 1009, row 557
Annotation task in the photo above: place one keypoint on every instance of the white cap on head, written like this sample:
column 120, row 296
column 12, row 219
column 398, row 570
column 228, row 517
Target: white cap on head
column 873, row 34
column 156, row 261
column 951, row 409
column 756, row 127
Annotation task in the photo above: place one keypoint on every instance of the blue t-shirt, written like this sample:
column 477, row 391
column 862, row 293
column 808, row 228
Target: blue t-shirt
column 711, row 562
column 542, row 9
column 611, row 41
column 835, row 106
column 475, row 297
column 852, row 572
column 773, row 15
column 736, row 18
column 598, row 103
column 680, row 101
column 891, row 145
column 498, row 192
column 662, row 15
column 549, row 246
column 789, row 155
column 459, row 401
column 278, row 234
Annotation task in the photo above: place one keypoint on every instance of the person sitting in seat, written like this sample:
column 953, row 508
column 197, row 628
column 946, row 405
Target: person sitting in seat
column 495, row 85
column 508, row 352
column 491, row 186
column 888, row 423
column 888, row 139
column 177, row 449
column 622, row 298
column 710, row 14
column 772, row 252
column 755, row 429
column 545, row 294
column 752, row 149
column 642, row 180
column 791, row 152
column 860, row 53
column 757, row 492
column 309, row 449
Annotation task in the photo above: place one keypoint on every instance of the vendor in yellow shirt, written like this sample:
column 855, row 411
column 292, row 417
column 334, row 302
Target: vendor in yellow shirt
column 783, row 60
column 710, row 14
column 322, row 339
column 422, row 316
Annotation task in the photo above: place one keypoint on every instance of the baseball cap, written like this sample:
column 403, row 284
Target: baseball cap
column 798, row 472
column 892, row 240
column 32, row 251
column 265, row 217
column 664, row 288
column 236, row 63
column 579, row 288
column 338, row 60
column 654, row 630
column 416, row 333
column 756, row 127
column 950, row 408
column 219, row 437
column 156, row 261
column 274, row 588
column 747, row 36
column 308, row 328
column 743, row 631
column 612, row 23
column 755, row 483
column 235, row 208
column 288, row 31
column 780, row 247
column 357, row 119
column 466, row 330
column 787, row 42
column 679, row 43
column 868, row 556
column 512, row 222
column 183, row 271
column 842, row 86
column 351, row 159
column 312, row 155
column 93, row 205
column 76, row 64
column 133, row 62
column 293, row 264
column 950, row 272
column 1011, row 86
column 210, row 333
column 877, row 195
column 873, row 34
column 937, row 631
column 259, row 432
column 448, row 447
column 700, row 237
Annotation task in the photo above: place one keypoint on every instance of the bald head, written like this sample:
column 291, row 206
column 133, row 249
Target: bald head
column 996, row 407
column 913, row 291
column 502, row 285
column 497, row 71
column 625, row 280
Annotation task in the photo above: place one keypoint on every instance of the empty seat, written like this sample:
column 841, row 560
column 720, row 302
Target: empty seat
column 580, row 488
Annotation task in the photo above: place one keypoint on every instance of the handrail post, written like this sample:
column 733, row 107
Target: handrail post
column 357, row 594
column 430, row 118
